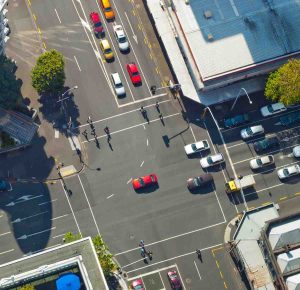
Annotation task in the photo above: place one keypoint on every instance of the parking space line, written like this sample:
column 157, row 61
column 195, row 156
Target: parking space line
column 197, row 270
column 173, row 237
column 162, row 281
column 58, row 236
column 8, row 251
column 276, row 167
column 180, row 276
column 4, row 234
column 170, row 259
column 59, row 217
column 43, row 203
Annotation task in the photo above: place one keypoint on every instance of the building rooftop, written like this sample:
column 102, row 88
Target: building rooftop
column 228, row 35
column 293, row 282
column 79, row 255
column 289, row 261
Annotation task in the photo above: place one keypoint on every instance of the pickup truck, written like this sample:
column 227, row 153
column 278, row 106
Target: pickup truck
column 242, row 182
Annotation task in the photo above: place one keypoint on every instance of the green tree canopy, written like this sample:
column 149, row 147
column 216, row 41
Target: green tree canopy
column 283, row 85
column 48, row 75
column 10, row 87
column 70, row 237
column 27, row 287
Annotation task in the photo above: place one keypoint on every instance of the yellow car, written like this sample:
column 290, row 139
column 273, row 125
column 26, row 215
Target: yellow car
column 106, row 50
column 107, row 10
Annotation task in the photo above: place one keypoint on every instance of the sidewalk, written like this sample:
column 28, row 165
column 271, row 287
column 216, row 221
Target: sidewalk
column 49, row 147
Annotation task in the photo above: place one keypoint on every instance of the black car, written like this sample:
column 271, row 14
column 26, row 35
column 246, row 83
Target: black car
column 265, row 144
column 236, row 120
column 199, row 181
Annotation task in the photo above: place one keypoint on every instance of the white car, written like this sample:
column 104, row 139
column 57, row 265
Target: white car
column 121, row 38
column 289, row 171
column 196, row 147
column 117, row 84
column 260, row 162
column 211, row 160
column 252, row 131
column 272, row 109
column 296, row 151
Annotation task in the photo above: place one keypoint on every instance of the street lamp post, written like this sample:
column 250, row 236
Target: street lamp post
column 238, row 95
column 62, row 99
column 227, row 153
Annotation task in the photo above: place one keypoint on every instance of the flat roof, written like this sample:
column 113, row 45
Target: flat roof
column 80, row 252
column 238, row 34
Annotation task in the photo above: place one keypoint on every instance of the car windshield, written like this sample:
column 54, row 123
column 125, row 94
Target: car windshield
column 118, row 85
column 107, row 9
column 141, row 181
column 270, row 108
column 138, row 287
column 194, row 147
column 135, row 73
column 209, row 160
column 196, row 181
column 285, row 172
column 108, row 50
column 152, row 178
column 205, row 144
column 98, row 24
column 122, row 39
column 259, row 162
column 249, row 131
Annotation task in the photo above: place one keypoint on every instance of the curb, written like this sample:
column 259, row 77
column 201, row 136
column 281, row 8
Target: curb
column 231, row 225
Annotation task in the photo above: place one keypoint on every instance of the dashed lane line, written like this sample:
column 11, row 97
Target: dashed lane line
column 8, row 251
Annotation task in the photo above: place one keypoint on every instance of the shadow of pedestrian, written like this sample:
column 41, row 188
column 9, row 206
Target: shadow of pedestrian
column 110, row 146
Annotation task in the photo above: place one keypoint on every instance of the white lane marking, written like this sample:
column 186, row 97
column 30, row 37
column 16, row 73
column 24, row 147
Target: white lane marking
column 144, row 127
column 18, row 220
column 142, row 163
column 5, row 234
column 266, row 188
column 234, row 8
column 110, row 196
column 59, row 217
column 74, row 142
column 116, row 50
column 147, row 142
column 272, row 152
column 132, row 263
column 121, row 114
column 56, row 134
column 57, row 15
column 77, row 62
column 152, row 272
column 43, row 203
column 142, row 100
column 26, row 198
column 58, row 236
column 174, row 237
column 25, row 237
column 133, row 34
column 132, row 127
column 129, row 180
column 195, row 140
column 268, row 135
column 173, row 258
column 220, row 205
column 8, row 251
column 197, row 270
column 79, row 231
column 180, row 276
column 98, row 231
column 162, row 281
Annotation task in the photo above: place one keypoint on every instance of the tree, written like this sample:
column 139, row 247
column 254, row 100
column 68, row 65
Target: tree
column 70, row 237
column 27, row 287
column 284, row 84
column 10, row 87
column 104, row 256
column 48, row 75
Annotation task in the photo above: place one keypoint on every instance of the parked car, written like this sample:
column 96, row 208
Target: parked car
column 196, row 147
column 121, row 38
column 199, row 181
column 252, row 131
column 144, row 181
column 236, row 121
column 106, row 49
column 5, row 185
column 134, row 73
column 272, row 109
column 211, row 160
column 290, row 119
column 296, row 151
column 266, row 143
column 117, row 84
column 96, row 23
column 137, row 285
column 289, row 171
column 174, row 280
column 260, row 162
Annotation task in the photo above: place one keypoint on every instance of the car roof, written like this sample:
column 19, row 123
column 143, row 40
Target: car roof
column 119, row 30
column 278, row 106
column 132, row 66
column 216, row 157
column 206, row 177
column 293, row 168
column 95, row 17
column 116, row 77
column 105, row 43
column 265, row 158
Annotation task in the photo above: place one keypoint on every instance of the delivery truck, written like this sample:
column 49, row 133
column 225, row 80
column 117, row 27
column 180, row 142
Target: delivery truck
column 242, row 182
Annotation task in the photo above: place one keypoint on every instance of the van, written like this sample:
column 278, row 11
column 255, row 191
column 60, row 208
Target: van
column 107, row 10
column 117, row 84
column 106, row 50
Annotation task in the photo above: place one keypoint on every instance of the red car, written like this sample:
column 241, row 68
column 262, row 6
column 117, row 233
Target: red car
column 137, row 284
column 144, row 181
column 174, row 280
column 133, row 73
column 96, row 22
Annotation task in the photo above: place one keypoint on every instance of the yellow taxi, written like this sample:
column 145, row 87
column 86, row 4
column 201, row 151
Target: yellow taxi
column 107, row 10
column 106, row 49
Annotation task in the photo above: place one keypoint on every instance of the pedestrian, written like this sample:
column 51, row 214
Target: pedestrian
column 84, row 133
column 161, row 116
column 89, row 120
column 157, row 106
column 93, row 132
column 143, row 252
column 106, row 130
column 150, row 255
column 142, row 244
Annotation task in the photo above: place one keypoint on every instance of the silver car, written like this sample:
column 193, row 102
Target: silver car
column 211, row 160
column 252, row 131
column 117, row 84
column 296, row 151
column 289, row 171
column 260, row 162
column 272, row 109
column 196, row 147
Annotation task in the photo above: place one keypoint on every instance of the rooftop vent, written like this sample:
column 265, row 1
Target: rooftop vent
column 208, row 14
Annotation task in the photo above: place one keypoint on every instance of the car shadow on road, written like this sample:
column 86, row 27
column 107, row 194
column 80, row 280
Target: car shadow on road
column 203, row 190
column 146, row 190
